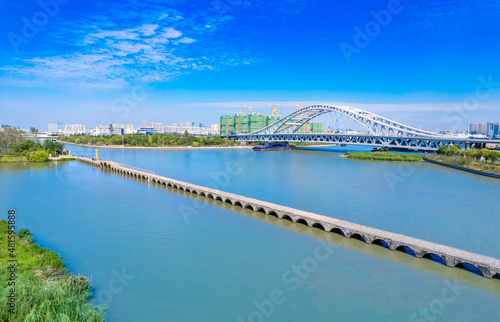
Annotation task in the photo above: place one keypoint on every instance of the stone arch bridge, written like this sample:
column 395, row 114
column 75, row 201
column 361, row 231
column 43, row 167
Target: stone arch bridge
column 483, row 265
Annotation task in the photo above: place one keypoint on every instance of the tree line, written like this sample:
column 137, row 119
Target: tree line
column 155, row 140
column 13, row 144
column 474, row 154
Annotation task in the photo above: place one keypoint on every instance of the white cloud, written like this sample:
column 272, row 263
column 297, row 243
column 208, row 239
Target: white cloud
column 185, row 40
column 171, row 33
column 148, row 30
column 112, row 53
column 118, row 34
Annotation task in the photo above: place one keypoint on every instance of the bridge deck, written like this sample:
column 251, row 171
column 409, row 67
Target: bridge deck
column 489, row 266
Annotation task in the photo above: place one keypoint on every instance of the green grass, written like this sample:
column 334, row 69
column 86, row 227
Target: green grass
column 8, row 159
column 64, row 159
column 44, row 289
column 383, row 156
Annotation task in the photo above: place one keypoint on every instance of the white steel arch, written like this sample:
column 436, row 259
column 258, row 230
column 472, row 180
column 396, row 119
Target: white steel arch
column 373, row 123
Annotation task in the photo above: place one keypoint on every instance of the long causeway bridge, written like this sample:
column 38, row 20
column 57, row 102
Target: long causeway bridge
column 376, row 131
column 488, row 266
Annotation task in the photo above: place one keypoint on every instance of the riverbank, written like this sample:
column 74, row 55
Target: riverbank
column 495, row 173
column 36, row 284
column 158, row 147
column 18, row 159
column 383, row 156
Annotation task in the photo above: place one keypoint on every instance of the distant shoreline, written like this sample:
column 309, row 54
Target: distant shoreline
column 157, row 147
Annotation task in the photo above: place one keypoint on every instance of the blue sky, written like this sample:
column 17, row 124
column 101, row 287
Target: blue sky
column 99, row 62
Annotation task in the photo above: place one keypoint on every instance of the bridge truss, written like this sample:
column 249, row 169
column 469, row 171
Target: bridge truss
column 378, row 132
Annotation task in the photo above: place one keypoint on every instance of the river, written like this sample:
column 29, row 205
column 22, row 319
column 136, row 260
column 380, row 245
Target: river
column 161, row 255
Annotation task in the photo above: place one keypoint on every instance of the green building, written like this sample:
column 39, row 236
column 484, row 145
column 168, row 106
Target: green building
column 247, row 123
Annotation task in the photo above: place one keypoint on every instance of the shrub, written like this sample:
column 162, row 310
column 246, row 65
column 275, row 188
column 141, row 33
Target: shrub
column 38, row 156
column 25, row 233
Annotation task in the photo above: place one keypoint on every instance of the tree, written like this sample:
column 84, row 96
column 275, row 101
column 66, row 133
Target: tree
column 38, row 156
column 443, row 149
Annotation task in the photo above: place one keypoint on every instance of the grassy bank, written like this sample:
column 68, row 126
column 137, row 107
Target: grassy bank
column 44, row 291
column 383, row 156
column 9, row 159
column 467, row 162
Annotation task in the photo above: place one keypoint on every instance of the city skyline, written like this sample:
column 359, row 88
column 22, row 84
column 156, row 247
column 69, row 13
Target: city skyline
column 174, row 60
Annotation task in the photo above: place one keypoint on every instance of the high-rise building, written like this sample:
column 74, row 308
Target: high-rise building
column 52, row 127
column 492, row 129
column 151, row 124
column 482, row 129
column 233, row 124
column 188, row 124
column 144, row 123
column 60, row 126
column 473, row 128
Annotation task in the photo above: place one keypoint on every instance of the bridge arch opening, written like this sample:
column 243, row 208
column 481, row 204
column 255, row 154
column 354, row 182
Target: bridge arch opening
column 273, row 213
column 218, row 198
column 406, row 249
column 318, row 225
column 302, row 221
column 470, row 267
column 382, row 243
column 337, row 231
column 248, row 206
column 359, row 237
column 209, row 195
column 239, row 204
column 286, row 217
column 260, row 209
column 435, row 258
column 228, row 201
column 497, row 276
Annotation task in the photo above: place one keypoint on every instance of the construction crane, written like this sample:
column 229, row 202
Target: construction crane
column 274, row 109
column 250, row 108
column 239, row 113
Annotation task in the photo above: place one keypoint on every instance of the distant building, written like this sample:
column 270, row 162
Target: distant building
column 215, row 129
column 60, row 126
column 129, row 129
column 492, row 129
column 72, row 129
column 52, row 127
column 144, row 123
column 247, row 123
column 117, row 129
column 100, row 130
column 146, row 130
column 473, row 128
column 151, row 124
column 482, row 129
column 55, row 127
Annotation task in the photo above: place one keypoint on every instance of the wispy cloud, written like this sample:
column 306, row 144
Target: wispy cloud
column 150, row 42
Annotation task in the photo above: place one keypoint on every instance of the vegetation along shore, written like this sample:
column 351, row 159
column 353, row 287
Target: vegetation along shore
column 149, row 141
column 485, row 160
column 383, row 156
column 35, row 285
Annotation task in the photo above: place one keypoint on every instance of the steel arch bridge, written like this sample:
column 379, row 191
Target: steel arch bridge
column 374, row 124
column 380, row 132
